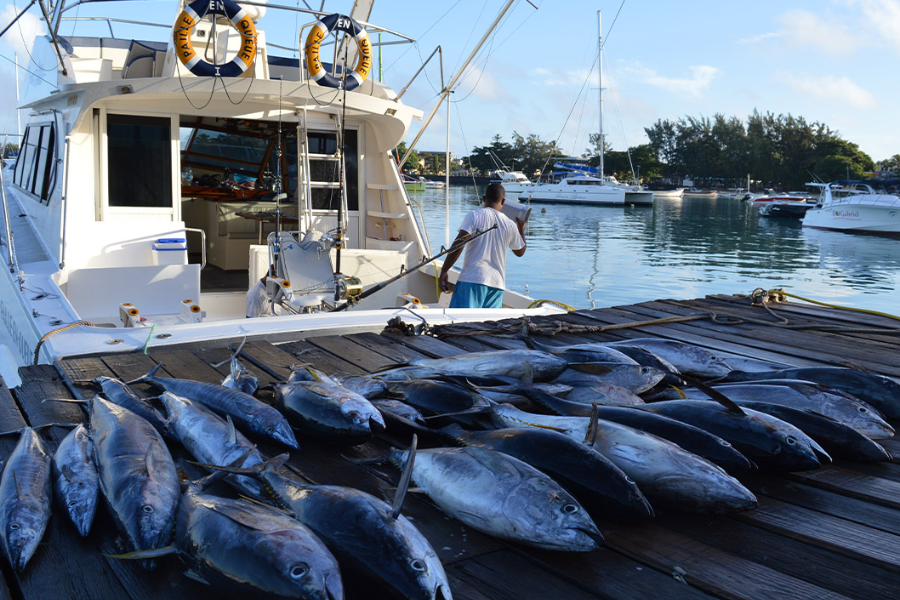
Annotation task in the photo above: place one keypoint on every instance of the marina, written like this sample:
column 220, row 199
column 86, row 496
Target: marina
column 827, row 533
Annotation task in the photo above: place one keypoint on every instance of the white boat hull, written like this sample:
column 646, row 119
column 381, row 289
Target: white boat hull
column 639, row 197
column 855, row 217
column 568, row 195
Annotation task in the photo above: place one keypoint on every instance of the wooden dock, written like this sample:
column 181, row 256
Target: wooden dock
column 826, row 534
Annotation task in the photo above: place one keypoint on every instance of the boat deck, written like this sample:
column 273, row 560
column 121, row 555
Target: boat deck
column 826, row 534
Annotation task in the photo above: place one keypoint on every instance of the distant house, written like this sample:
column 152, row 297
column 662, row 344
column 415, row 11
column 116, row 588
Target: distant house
column 428, row 158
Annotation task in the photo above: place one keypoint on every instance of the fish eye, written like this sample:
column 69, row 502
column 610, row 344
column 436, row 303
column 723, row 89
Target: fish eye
column 629, row 479
column 13, row 526
column 725, row 443
column 147, row 509
column 71, row 503
column 570, row 509
column 299, row 570
column 791, row 441
column 863, row 409
column 645, row 369
column 417, row 565
column 270, row 429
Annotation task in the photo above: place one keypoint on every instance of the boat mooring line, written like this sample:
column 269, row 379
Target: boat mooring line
column 37, row 348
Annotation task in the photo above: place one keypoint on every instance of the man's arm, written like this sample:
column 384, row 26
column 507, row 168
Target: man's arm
column 450, row 260
column 521, row 226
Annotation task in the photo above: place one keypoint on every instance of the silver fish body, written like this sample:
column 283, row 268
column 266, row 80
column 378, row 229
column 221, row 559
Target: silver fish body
column 542, row 366
column 75, row 478
column 687, row 358
column 329, row 412
column 137, row 475
column 606, row 395
column 801, row 395
column 247, row 411
column 361, row 531
column 635, row 378
column 367, row 387
column 240, row 379
column 504, row 497
column 255, row 549
column 664, row 472
column 212, row 440
column 118, row 392
column 25, row 496
column 401, row 409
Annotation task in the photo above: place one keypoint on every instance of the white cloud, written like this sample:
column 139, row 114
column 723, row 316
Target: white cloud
column 881, row 16
column 690, row 87
column 762, row 37
column 805, row 29
column 839, row 90
column 570, row 77
column 481, row 84
column 21, row 36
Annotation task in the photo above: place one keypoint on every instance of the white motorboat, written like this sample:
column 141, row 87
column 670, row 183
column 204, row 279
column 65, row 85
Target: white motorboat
column 514, row 182
column 576, row 189
column 676, row 193
column 698, row 193
column 863, row 206
column 146, row 170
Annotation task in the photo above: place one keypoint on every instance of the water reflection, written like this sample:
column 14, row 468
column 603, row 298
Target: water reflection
column 594, row 256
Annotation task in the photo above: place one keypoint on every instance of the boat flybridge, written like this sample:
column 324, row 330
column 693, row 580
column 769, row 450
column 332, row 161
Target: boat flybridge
column 159, row 180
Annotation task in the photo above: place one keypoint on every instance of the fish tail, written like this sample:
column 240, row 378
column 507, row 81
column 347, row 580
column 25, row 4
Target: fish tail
column 146, row 377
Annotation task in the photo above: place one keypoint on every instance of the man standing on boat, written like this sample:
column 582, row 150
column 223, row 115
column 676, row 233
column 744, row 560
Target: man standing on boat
column 482, row 281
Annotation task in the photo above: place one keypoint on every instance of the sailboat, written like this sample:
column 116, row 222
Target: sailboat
column 577, row 185
column 160, row 179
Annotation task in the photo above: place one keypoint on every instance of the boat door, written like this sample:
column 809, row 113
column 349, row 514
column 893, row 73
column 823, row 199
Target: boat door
column 137, row 182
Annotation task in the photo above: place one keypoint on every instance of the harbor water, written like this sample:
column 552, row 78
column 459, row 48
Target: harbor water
column 599, row 256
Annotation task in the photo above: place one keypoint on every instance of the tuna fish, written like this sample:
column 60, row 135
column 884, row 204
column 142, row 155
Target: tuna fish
column 240, row 378
column 665, row 473
column 25, row 496
column 505, row 363
column 211, row 439
column 767, row 441
column 635, row 378
column 247, row 411
column 119, row 393
column 137, row 475
column 504, row 497
column 687, row 358
column 75, row 478
column 329, row 412
column 250, row 550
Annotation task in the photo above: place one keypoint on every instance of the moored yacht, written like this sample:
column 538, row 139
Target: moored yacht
column 513, row 182
column 154, row 188
column 576, row 189
column 863, row 206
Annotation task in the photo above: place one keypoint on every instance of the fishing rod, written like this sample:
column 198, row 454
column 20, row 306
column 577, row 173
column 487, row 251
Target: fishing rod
column 456, row 246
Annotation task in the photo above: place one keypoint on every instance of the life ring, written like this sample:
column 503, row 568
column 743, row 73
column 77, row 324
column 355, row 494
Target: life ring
column 191, row 15
column 363, row 63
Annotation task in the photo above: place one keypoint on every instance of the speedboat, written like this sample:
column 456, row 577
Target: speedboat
column 154, row 188
column 676, row 193
column 848, row 205
column 576, row 189
column 514, row 182
column 698, row 193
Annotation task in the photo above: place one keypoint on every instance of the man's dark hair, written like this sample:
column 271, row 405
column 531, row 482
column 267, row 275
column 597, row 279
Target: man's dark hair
column 493, row 193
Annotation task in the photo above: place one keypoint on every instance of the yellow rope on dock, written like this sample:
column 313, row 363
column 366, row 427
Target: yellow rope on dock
column 562, row 305
column 779, row 292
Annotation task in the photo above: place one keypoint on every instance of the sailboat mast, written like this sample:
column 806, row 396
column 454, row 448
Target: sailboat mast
column 600, row 88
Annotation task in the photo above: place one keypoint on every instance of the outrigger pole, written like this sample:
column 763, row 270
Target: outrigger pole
column 384, row 284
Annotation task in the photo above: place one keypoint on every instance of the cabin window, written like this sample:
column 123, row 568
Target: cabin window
column 140, row 161
column 35, row 170
column 324, row 170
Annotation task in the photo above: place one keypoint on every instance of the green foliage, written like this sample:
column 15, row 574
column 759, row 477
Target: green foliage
column 527, row 154
column 9, row 149
column 412, row 163
column 780, row 151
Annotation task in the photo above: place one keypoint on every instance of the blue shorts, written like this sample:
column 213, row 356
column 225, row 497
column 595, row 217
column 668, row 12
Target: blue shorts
column 475, row 295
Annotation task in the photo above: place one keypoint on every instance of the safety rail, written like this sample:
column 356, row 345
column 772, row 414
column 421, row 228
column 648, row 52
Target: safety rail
column 10, row 247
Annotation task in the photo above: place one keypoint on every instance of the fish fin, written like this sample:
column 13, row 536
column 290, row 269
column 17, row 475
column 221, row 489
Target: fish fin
column 20, row 493
column 145, row 554
column 144, row 378
column 192, row 574
column 550, row 427
column 591, row 436
column 473, row 516
column 679, row 391
column 390, row 366
column 315, row 375
column 818, row 414
column 220, row 472
column 590, row 368
column 405, row 477
column 714, row 394
column 232, row 432
column 475, row 410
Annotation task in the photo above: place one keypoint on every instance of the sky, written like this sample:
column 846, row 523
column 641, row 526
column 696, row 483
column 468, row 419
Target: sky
column 830, row 61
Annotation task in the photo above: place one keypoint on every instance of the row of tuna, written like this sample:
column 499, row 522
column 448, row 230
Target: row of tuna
column 541, row 442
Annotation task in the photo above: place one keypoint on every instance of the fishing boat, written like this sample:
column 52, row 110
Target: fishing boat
column 850, row 205
column 785, row 208
column 156, row 184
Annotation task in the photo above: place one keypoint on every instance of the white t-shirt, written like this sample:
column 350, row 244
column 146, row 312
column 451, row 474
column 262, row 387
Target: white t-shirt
column 257, row 300
column 485, row 257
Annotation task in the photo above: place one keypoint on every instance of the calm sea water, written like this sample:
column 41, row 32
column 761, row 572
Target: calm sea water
column 598, row 256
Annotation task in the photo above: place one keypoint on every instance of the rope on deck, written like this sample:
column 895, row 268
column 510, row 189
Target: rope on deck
column 37, row 349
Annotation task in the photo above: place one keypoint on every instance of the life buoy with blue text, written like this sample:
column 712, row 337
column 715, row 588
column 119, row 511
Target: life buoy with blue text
column 318, row 33
column 191, row 15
